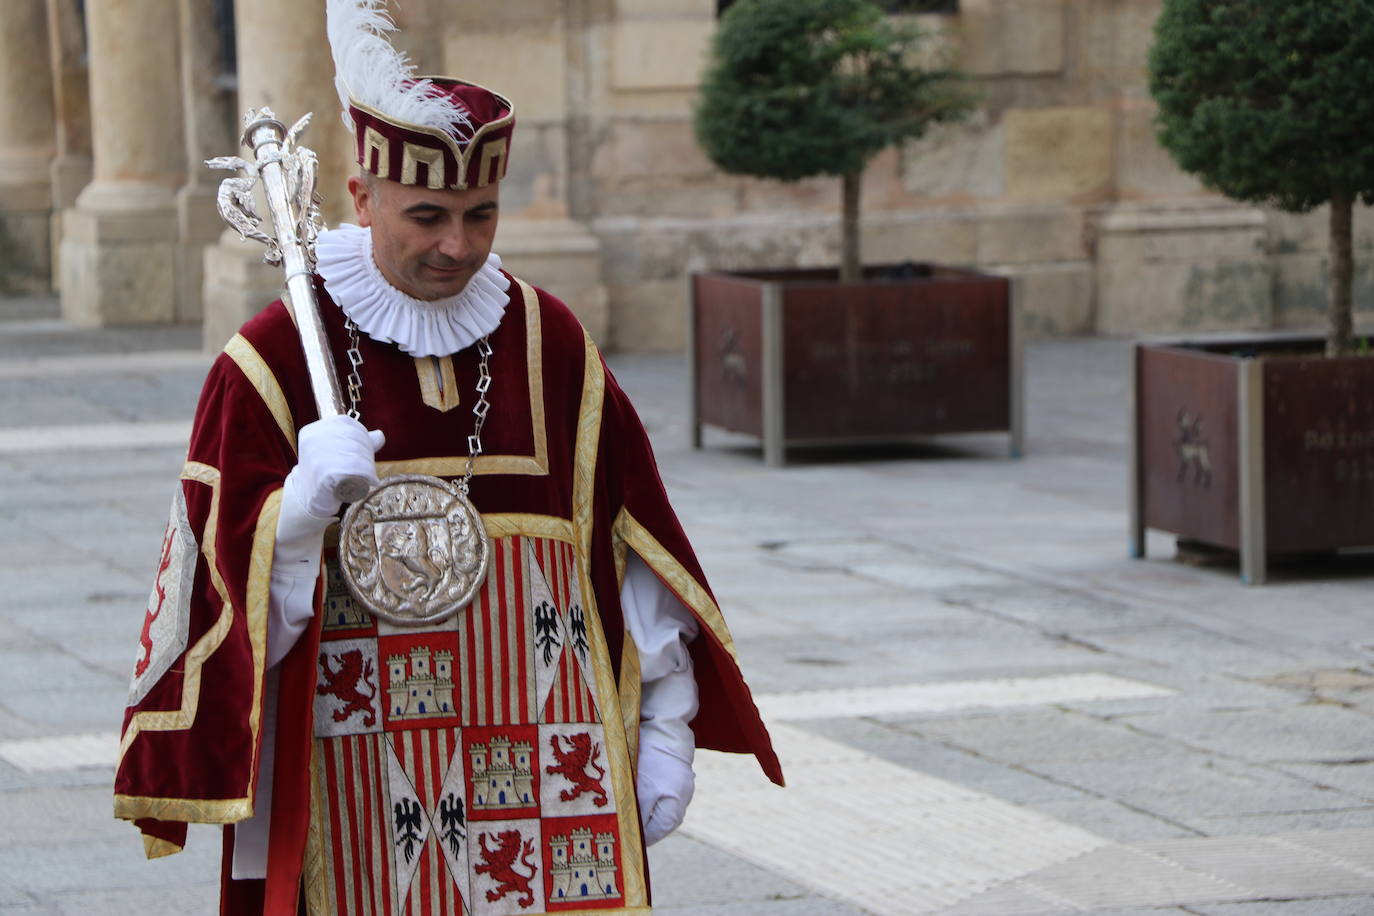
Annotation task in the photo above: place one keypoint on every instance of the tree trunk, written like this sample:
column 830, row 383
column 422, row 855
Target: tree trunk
column 850, row 265
column 1339, row 334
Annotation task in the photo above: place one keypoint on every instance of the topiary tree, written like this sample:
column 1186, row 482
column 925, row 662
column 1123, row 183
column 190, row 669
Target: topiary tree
column 1271, row 101
column 797, row 88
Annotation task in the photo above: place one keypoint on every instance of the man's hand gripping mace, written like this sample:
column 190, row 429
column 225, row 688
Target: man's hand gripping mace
column 288, row 173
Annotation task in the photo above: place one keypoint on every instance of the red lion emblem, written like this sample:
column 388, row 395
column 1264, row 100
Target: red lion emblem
column 342, row 682
column 500, row 864
column 145, row 638
column 572, row 766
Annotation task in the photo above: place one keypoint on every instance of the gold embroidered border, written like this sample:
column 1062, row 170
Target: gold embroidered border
column 679, row 580
column 156, row 847
column 190, row 810
column 412, row 154
column 217, row 811
column 588, row 444
column 313, row 870
column 613, row 718
column 536, row 465
column 254, row 368
column 515, row 524
column 438, row 387
column 492, row 152
column 373, row 141
column 257, row 596
column 631, row 695
column 631, row 677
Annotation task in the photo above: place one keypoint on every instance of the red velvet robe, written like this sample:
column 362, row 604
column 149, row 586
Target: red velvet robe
column 563, row 450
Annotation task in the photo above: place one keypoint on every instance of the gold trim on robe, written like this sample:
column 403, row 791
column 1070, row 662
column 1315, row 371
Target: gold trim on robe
column 229, row 810
column 438, row 387
column 692, row 593
column 536, row 465
column 613, row 717
column 256, row 371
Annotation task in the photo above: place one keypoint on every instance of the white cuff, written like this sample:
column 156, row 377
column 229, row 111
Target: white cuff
column 295, row 567
column 661, row 628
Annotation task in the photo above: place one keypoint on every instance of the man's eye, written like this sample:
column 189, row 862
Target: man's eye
column 426, row 220
column 480, row 216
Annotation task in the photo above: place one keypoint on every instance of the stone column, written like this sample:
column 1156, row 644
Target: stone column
column 26, row 147
column 71, row 167
column 119, row 243
column 210, row 130
column 284, row 64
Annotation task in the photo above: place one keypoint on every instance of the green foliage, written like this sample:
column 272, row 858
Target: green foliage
column 1268, row 101
column 797, row 88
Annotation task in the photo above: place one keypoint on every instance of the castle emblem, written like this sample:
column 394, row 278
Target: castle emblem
column 502, row 774
column 340, row 610
column 417, row 690
column 583, row 866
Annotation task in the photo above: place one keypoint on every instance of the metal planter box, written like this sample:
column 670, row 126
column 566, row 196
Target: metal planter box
column 1254, row 444
column 797, row 358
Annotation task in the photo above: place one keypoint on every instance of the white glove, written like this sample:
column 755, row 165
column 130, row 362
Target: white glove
column 661, row 628
column 665, row 787
column 332, row 450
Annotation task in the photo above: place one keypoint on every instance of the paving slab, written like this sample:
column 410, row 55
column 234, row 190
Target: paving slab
column 1315, row 733
column 1277, row 866
column 1359, row 905
column 889, row 742
column 1044, row 737
column 1190, row 789
column 922, row 567
column 1191, row 646
column 1111, row 819
column 1355, row 778
column 1264, row 823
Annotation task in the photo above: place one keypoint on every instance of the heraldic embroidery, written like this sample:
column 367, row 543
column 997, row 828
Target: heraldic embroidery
column 462, row 766
column 167, row 621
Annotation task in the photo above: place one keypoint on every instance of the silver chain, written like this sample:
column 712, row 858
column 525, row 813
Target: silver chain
column 479, row 410
column 355, row 361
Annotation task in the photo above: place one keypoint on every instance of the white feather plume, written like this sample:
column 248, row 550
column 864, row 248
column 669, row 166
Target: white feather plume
column 371, row 71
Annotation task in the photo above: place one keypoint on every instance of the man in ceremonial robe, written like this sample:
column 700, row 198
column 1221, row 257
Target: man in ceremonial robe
column 516, row 756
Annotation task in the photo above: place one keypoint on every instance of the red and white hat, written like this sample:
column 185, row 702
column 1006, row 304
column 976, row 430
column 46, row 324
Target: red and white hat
column 432, row 131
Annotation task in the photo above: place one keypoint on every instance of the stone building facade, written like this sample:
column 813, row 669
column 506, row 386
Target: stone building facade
column 107, row 108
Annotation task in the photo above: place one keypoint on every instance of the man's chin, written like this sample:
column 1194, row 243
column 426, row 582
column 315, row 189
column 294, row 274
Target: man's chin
column 440, row 285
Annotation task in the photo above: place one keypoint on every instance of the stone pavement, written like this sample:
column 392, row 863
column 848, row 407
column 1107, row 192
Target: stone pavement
column 983, row 707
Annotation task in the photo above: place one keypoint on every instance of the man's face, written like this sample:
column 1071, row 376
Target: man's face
column 427, row 243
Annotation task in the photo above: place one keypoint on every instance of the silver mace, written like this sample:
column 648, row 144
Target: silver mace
column 288, row 172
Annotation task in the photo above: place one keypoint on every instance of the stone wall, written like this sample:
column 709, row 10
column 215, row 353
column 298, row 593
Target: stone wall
column 611, row 204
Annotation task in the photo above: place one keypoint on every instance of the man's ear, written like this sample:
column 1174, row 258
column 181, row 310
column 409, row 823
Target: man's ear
column 362, row 200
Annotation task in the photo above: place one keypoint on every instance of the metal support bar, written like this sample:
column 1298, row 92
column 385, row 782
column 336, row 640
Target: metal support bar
column 693, row 364
column 1134, row 439
column 1017, row 367
column 774, row 428
column 1253, row 556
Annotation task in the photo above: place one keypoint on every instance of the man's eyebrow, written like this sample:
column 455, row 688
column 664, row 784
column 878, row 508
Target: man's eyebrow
column 423, row 207
column 484, row 207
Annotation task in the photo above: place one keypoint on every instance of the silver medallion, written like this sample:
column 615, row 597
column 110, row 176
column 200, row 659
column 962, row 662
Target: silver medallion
column 414, row 550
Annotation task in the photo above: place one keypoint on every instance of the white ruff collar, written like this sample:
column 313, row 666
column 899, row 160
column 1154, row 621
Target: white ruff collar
column 384, row 313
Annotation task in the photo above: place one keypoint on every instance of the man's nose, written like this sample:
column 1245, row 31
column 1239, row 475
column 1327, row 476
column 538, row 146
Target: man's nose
column 454, row 244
